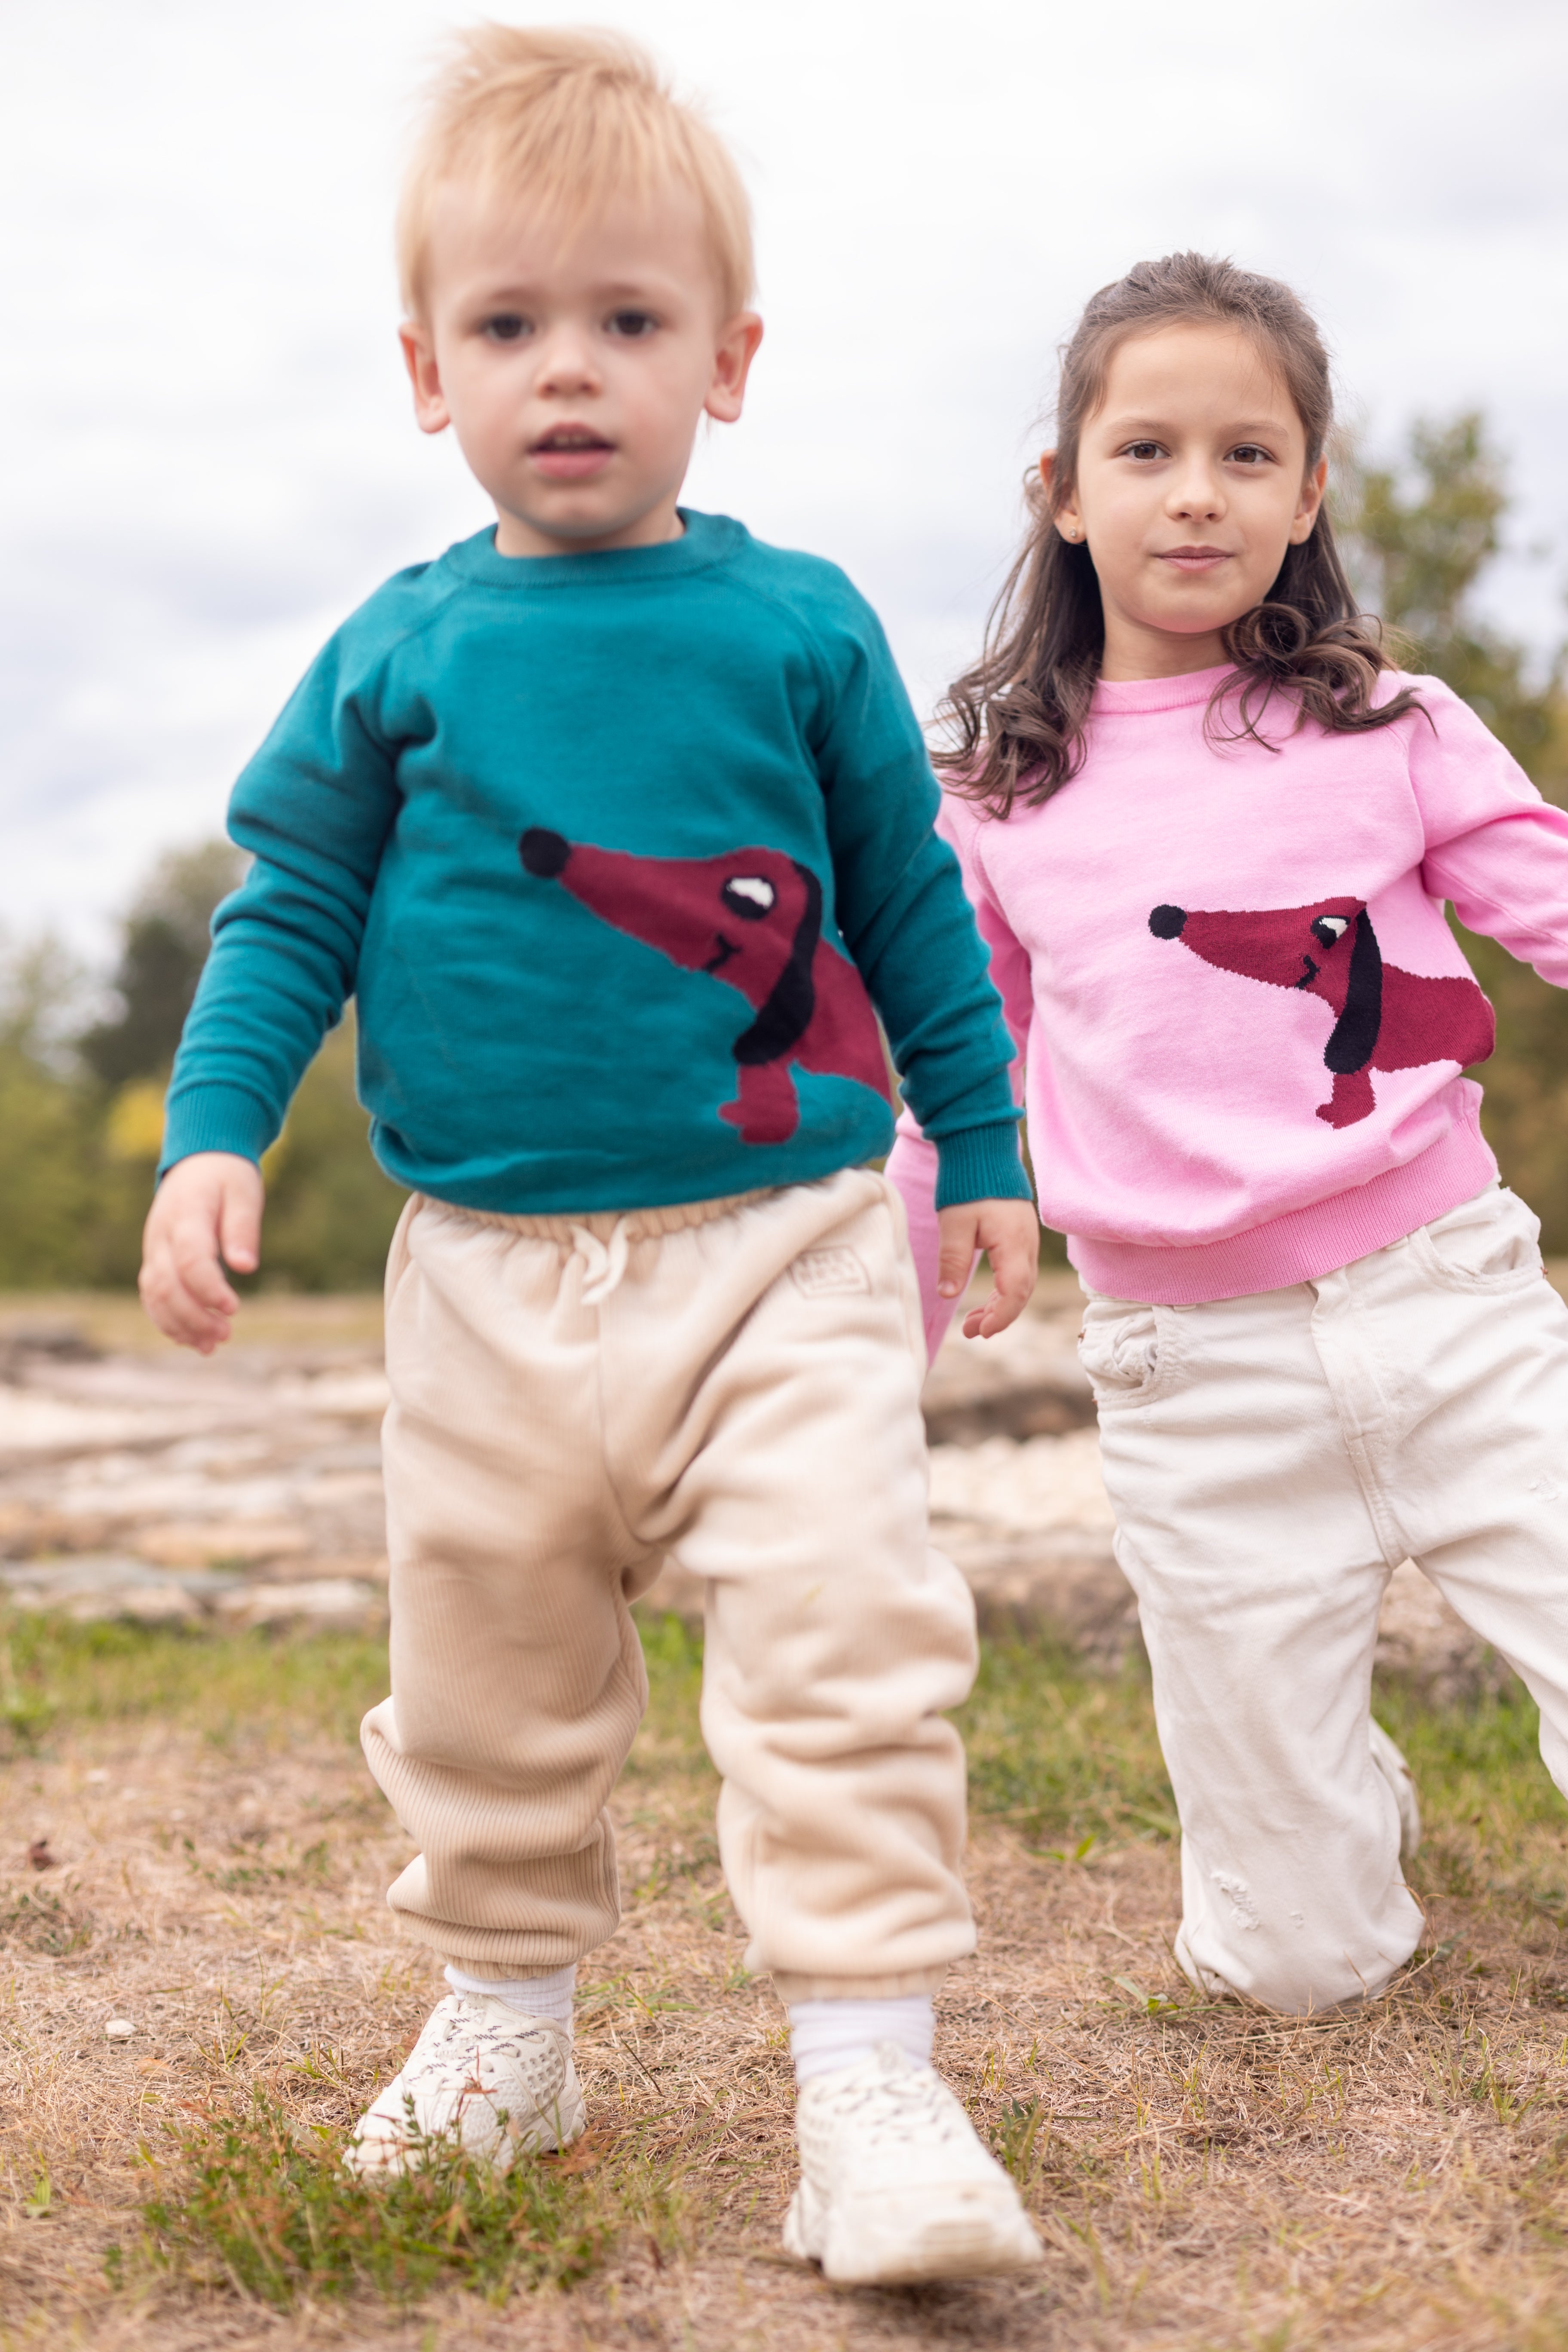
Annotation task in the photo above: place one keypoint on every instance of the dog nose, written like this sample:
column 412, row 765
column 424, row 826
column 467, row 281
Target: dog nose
column 1167, row 922
column 544, row 853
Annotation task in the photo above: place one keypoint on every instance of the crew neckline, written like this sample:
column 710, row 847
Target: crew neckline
column 706, row 540
column 1130, row 697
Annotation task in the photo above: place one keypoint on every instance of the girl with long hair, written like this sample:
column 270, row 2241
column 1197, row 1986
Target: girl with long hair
column 1209, row 830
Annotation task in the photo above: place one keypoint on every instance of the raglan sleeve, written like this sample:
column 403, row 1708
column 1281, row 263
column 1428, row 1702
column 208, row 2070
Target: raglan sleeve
column 913, row 1165
column 905, row 918
column 1494, row 847
column 313, row 809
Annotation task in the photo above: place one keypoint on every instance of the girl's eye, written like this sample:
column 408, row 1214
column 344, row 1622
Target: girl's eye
column 1248, row 454
column 634, row 325
column 506, row 327
column 1143, row 450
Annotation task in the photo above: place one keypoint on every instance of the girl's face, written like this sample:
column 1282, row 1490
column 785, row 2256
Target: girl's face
column 1192, row 482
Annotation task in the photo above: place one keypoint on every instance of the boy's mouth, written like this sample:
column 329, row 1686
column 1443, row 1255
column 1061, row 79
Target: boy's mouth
column 570, row 453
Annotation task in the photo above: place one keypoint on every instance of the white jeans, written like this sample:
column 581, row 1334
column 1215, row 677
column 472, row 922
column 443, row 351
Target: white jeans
column 1270, row 1460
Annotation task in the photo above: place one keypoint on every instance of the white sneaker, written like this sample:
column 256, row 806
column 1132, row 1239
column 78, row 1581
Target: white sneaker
column 501, row 2083
column 1390, row 1763
column 894, row 2186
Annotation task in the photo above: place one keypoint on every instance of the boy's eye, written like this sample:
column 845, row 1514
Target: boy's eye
column 633, row 324
column 506, row 327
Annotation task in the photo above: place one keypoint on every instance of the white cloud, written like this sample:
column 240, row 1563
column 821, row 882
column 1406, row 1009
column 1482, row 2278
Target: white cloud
column 211, row 458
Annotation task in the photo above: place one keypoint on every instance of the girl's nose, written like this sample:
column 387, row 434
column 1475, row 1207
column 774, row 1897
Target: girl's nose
column 1197, row 495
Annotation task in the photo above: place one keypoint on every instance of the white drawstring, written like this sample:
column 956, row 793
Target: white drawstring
column 605, row 1265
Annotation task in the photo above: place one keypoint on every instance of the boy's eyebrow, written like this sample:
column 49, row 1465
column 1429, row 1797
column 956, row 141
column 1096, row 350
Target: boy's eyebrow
column 609, row 290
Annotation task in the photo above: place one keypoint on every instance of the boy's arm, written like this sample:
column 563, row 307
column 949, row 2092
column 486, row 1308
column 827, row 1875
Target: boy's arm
column 903, row 910
column 314, row 808
column 913, row 1165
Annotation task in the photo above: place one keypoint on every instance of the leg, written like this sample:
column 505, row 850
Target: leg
column 1473, row 1469
column 792, row 1476
column 516, row 1676
column 1258, row 1572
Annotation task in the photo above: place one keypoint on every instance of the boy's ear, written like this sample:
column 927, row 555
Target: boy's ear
column 1306, row 513
column 732, row 357
column 431, row 413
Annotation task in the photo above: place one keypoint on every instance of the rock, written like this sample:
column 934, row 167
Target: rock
column 1421, row 1639
column 328, row 1604
column 202, row 1543
column 110, row 1585
column 119, row 2028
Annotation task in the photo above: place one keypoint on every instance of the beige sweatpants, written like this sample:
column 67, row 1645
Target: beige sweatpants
column 735, row 1383
column 1271, row 1459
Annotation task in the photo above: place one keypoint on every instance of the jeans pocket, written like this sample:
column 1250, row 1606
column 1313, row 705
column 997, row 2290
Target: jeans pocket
column 1490, row 1244
column 1126, row 1350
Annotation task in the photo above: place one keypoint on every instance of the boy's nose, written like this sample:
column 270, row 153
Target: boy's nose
column 566, row 363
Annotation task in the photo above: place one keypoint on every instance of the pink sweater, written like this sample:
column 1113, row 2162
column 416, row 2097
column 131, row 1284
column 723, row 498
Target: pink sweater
column 1240, row 1014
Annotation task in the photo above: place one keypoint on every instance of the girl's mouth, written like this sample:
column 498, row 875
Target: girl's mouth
column 571, row 453
column 1194, row 559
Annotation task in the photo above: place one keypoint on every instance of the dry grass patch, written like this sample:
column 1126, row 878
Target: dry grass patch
column 1206, row 2178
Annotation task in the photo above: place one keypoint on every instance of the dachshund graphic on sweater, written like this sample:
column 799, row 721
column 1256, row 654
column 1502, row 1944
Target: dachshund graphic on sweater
column 1385, row 1019
column 752, row 918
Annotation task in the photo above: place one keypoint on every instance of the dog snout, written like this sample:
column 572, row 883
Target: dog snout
column 1168, row 922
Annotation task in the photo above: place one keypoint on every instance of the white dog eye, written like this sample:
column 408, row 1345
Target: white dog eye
column 762, row 894
column 1335, row 923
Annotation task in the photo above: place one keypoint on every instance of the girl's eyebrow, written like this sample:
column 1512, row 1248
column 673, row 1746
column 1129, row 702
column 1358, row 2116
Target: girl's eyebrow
column 1149, row 428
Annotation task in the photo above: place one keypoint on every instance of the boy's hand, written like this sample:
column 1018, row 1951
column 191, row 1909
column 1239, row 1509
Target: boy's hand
column 1009, row 1233
column 205, row 1214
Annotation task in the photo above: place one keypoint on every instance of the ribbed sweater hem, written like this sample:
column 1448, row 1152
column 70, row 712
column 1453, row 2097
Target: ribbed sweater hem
column 1303, row 1245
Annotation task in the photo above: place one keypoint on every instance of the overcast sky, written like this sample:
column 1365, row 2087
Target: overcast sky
column 208, row 457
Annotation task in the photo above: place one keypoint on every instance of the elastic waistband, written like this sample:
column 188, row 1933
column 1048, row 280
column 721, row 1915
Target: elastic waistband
column 637, row 1224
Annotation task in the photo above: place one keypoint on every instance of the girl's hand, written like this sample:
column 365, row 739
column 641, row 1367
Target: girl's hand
column 1009, row 1233
column 205, row 1214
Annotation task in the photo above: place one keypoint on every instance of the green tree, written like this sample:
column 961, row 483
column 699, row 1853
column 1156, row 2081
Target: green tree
column 166, row 942
column 1419, row 538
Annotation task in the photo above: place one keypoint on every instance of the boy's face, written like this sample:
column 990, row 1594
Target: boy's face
column 575, row 372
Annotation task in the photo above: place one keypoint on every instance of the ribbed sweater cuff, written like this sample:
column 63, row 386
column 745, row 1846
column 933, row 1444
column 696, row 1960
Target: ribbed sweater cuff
column 980, row 1163
column 215, row 1119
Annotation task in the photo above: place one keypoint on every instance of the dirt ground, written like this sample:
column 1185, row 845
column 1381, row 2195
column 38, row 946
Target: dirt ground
column 1204, row 2176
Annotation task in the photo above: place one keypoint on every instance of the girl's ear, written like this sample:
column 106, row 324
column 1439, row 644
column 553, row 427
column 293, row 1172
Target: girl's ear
column 1067, row 520
column 1311, row 499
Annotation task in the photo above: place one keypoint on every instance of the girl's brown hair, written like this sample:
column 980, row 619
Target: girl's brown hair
column 1016, row 720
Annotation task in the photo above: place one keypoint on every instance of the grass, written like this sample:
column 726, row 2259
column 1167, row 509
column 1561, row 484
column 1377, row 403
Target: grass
column 1209, row 2179
column 251, row 2200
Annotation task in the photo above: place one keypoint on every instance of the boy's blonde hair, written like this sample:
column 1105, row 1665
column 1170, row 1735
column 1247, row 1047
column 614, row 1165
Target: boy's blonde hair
column 574, row 118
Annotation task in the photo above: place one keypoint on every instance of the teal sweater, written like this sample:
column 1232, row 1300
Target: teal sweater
column 617, row 852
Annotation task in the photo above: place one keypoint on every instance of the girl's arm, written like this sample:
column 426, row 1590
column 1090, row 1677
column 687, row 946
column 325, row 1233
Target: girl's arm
column 1494, row 847
column 913, row 1165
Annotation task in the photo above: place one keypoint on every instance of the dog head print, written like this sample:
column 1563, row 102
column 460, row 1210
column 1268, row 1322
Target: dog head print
column 752, row 919
column 1385, row 1018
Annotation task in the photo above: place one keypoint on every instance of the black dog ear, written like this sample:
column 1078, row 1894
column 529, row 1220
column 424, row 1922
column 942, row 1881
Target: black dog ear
column 1355, row 1035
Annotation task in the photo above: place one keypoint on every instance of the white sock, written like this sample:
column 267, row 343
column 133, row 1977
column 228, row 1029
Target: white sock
column 825, row 2034
column 548, row 1996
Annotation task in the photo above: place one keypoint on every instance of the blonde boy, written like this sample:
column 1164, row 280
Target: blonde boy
column 618, row 825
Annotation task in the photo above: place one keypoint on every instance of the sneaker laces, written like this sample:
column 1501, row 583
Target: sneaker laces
column 603, row 1264
column 897, row 2099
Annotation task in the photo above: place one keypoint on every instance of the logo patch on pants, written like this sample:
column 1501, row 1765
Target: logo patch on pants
column 816, row 1272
